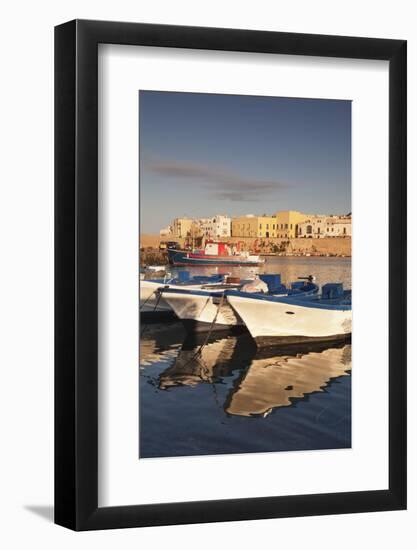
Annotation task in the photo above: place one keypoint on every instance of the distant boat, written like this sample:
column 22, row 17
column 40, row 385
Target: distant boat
column 203, row 309
column 214, row 253
column 274, row 320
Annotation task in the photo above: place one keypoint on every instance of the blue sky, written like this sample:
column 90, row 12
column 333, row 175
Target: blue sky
column 206, row 154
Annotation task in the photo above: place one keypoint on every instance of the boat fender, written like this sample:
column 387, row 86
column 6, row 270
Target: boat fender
column 255, row 286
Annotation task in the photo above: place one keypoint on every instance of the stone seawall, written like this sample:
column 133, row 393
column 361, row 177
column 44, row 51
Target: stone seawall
column 335, row 246
column 338, row 246
column 332, row 246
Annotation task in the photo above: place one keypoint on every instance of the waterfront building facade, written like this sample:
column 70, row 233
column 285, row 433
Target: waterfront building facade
column 320, row 227
column 339, row 226
column 218, row 226
column 181, row 227
column 287, row 222
column 254, row 226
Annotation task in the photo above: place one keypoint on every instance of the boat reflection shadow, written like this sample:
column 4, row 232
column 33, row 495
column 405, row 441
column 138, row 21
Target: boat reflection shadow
column 275, row 380
column 208, row 360
column 260, row 380
column 160, row 341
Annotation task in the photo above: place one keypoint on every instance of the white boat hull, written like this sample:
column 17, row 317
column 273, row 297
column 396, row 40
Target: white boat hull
column 272, row 322
column 149, row 299
column 200, row 312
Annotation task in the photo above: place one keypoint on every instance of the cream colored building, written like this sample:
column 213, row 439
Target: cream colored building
column 254, row 226
column 319, row 227
column 215, row 227
column 312, row 227
column 287, row 222
column 339, row 226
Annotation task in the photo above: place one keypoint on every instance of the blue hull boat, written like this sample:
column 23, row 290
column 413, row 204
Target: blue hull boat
column 213, row 254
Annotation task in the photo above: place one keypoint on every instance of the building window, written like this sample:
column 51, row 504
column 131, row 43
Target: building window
column 309, row 229
column 286, row 227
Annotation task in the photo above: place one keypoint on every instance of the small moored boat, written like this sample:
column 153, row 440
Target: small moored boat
column 274, row 320
column 151, row 302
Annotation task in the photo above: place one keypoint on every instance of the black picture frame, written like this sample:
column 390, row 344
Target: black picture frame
column 76, row 272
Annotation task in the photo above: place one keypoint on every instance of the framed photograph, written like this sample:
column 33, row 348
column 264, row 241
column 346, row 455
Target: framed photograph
column 230, row 252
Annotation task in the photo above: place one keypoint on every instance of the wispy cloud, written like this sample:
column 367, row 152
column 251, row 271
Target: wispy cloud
column 220, row 183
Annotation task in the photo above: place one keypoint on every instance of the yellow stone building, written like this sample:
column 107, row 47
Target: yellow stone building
column 254, row 226
column 287, row 223
column 181, row 227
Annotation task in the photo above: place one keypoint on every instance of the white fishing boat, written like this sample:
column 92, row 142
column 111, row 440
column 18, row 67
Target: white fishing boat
column 150, row 301
column 206, row 309
column 202, row 310
column 273, row 320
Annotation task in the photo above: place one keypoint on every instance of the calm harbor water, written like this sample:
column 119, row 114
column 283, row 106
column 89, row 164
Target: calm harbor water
column 230, row 397
column 326, row 270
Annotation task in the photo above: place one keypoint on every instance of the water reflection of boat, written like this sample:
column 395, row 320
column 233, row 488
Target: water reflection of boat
column 207, row 361
column 265, row 379
column 276, row 381
column 160, row 342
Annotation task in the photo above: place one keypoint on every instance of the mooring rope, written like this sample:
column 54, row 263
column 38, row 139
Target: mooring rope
column 200, row 349
column 147, row 300
column 154, row 309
